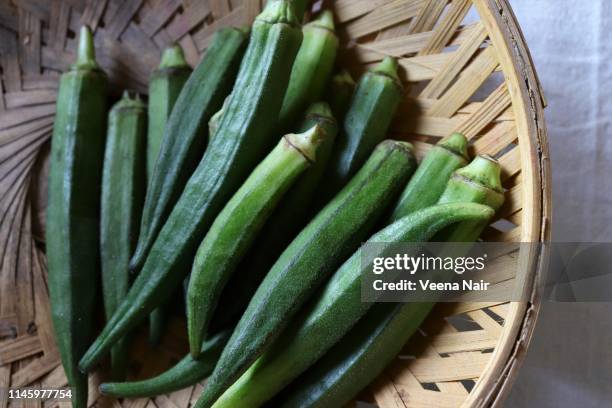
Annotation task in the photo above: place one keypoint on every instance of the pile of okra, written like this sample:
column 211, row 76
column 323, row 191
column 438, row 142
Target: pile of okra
column 243, row 189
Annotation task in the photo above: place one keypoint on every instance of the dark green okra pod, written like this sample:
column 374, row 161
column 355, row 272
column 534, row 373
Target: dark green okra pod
column 185, row 373
column 123, row 190
column 73, row 213
column 186, row 133
column 244, row 137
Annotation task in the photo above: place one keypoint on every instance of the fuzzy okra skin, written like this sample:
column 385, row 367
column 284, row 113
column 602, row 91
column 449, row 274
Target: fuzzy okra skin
column 185, row 373
column 164, row 88
column 123, row 189
column 285, row 223
column 336, row 308
column 244, row 137
column 367, row 121
column 73, row 213
column 186, row 133
column 362, row 354
column 238, row 224
column 311, row 70
column 329, row 239
column 432, row 175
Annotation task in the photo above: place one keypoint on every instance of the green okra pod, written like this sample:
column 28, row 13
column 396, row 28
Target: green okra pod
column 238, row 224
column 123, row 190
column 341, row 89
column 244, row 136
column 331, row 237
column 73, row 213
column 185, row 373
column 164, row 88
column 185, row 134
column 336, row 308
column 367, row 121
column 432, row 175
column 311, row 70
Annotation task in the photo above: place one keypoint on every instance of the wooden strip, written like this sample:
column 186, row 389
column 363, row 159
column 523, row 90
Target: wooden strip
column 493, row 329
column 461, row 366
column 9, row 60
column 500, row 310
column 5, row 382
column 50, row 368
column 385, row 393
column 193, row 15
column 346, row 10
column 446, row 28
column 182, row 397
column 454, row 388
column 428, row 16
column 403, row 44
column 384, row 16
column 510, row 163
column 425, row 67
column 29, row 98
column 462, row 341
column 454, row 66
column 469, row 81
column 497, row 102
column 19, row 348
column 235, row 18
column 122, row 17
column 219, row 8
column 195, row 395
column 23, row 290
column 496, row 140
column 253, row 8
column 60, row 16
column 425, row 104
column 94, row 10
column 157, row 16
column 22, row 116
column 164, row 401
column 429, row 399
column 190, row 50
column 513, row 201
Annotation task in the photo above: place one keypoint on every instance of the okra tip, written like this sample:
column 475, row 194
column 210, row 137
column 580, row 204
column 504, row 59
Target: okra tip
column 456, row 143
column 388, row 67
column 86, row 51
column 485, row 170
column 325, row 20
column 343, row 78
column 279, row 11
column 130, row 99
column 308, row 142
column 173, row 57
column 319, row 109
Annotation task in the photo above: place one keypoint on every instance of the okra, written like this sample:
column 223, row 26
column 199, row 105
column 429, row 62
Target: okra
column 186, row 133
column 185, row 373
column 164, row 88
column 341, row 89
column 374, row 103
column 73, row 213
column 432, row 175
column 238, row 224
column 288, row 219
column 337, row 308
column 369, row 347
column 329, row 239
column 123, row 190
column 300, row 7
column 244, row 136
column 311, row 70
column 479, row 182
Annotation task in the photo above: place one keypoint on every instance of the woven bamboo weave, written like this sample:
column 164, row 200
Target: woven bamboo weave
column 468, row 69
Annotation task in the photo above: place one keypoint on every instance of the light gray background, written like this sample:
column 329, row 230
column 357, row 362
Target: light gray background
column 569, row 363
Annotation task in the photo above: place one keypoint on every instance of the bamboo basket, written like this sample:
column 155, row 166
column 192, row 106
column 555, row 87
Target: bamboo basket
column 473, row 75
